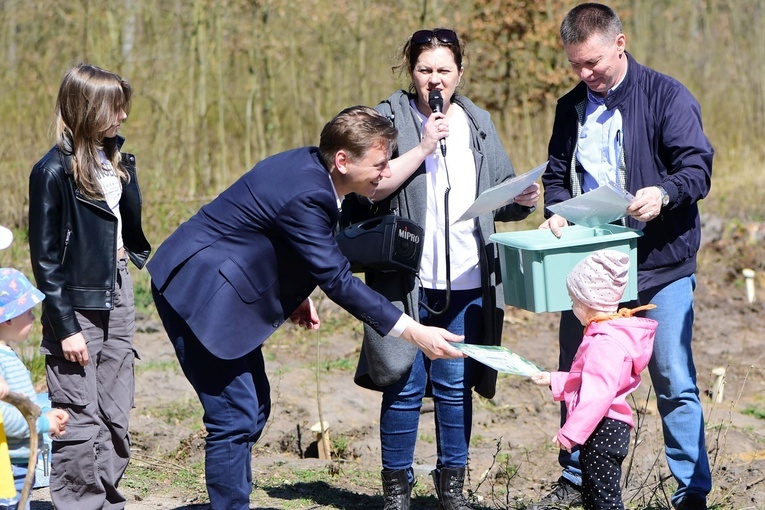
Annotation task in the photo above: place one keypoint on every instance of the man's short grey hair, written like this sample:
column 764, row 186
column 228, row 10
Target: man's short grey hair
column 589, row 19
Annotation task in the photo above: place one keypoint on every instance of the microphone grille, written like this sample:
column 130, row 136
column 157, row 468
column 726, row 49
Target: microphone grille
column 435, row 100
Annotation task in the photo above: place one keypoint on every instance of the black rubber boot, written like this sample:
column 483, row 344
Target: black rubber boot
column 396, row 489
column 449, row 483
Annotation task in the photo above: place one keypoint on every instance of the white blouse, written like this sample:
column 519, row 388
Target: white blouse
column 112, row 188
column 461, row 177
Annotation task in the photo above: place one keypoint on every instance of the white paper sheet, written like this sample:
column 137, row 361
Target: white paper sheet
column 600, row 206
column 500, row 359
column 502, row 194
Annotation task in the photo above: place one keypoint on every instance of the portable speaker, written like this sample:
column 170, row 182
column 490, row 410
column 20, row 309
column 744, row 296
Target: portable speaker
column 386, row 243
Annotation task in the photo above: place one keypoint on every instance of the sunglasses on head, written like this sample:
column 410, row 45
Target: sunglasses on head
column 444, row 35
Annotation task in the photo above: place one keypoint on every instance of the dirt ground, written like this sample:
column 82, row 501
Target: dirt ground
column 511, row 459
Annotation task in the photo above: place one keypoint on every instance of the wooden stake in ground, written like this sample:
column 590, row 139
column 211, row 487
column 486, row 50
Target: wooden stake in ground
column 321, row 431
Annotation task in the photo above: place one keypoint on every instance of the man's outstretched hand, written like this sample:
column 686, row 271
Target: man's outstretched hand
column 433, row 342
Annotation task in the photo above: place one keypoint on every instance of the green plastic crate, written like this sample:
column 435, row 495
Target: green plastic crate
column 535, row 263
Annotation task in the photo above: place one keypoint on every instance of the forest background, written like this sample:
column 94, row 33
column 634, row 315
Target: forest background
column 221, row 84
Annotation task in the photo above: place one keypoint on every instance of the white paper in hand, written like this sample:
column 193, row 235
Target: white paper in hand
column 500, row 359
column 502, row 194
column 597, row 207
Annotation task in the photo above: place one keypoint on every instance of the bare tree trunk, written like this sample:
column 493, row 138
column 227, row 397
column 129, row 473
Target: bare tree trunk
column 254, row 125
column 759, row 46
column 362, row 51
column 85, row 30
column 9, row 14
column 128, row 35
column 274, row 121
column 222, row 144
column 641, row 31
column 294, row 89
column 202, row 63
column 424, row 13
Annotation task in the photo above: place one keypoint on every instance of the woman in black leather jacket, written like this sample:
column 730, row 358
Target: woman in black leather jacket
column 84, row 224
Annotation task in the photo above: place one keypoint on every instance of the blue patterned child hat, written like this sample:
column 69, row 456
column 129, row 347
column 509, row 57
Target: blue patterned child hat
column 17, row 294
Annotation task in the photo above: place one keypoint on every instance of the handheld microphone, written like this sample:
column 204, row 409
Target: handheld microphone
column 436, row 102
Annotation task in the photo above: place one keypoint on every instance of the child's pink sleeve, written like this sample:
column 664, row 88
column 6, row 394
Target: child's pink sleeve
column 557, row 383
column 565, row 442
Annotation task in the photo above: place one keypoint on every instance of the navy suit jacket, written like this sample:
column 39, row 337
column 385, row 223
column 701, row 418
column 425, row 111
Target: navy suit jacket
column 241, row 265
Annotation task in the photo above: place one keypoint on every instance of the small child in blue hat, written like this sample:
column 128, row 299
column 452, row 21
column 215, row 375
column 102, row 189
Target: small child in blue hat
column 17, row 299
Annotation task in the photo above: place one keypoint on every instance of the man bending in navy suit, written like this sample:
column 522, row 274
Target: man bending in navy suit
column 227, row 278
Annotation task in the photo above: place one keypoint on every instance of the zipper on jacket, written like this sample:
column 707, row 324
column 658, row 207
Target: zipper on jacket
column 100, row 204
column 66, row 244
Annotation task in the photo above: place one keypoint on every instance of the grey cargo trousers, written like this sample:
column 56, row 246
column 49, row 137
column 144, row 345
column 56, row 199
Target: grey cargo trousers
column 89, row 460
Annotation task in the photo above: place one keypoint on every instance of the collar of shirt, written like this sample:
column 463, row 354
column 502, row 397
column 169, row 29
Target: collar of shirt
column 337, row 197
column 600, row 143
column 597, row 99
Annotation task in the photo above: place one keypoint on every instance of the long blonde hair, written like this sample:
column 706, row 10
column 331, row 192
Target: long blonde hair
column 88, row 101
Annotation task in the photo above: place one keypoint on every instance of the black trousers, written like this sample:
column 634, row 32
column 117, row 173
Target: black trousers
column 601, row 458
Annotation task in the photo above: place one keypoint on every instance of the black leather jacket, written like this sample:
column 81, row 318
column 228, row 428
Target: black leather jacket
column 73, row 241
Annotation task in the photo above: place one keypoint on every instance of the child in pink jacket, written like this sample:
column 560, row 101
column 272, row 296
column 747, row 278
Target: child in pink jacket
column 616, row 347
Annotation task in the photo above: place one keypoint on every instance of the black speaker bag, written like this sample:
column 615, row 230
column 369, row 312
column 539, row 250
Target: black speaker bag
column 385, row 243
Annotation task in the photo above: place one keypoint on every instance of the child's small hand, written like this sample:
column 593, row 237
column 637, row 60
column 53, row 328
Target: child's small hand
column 558, row 445
column 57, row 419
column 4, row 389
column 541, row 378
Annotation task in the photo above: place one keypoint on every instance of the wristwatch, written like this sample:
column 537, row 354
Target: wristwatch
column 664, row 196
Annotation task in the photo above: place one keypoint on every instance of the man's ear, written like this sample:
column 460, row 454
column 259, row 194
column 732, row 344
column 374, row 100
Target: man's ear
column 341, row 161
column 621, row 44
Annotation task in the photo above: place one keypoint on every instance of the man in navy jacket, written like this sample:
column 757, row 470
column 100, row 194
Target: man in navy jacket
column 642, row 130
column 227, row 278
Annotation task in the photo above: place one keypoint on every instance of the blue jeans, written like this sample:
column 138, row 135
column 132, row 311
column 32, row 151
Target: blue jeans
column 235, row 395
column 450, row 381
column 673, row 376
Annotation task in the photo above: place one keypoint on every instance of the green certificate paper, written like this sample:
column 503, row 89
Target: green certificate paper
column 500, row 359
